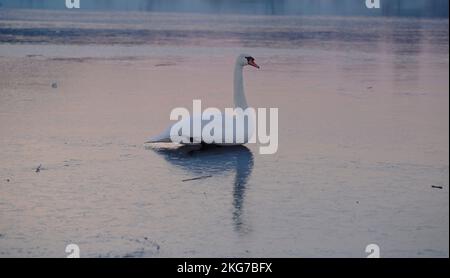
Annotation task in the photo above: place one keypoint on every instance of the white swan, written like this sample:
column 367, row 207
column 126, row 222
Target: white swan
column 239, row 102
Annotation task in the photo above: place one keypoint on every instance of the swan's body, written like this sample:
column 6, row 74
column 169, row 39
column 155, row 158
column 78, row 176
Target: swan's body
column 240, row 101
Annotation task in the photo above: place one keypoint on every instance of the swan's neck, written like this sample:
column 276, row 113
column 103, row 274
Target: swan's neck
column 239, row 95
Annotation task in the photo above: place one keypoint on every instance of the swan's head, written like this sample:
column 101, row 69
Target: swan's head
column 246, row 60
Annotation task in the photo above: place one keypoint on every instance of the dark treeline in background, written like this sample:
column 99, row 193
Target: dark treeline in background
column 419, row 8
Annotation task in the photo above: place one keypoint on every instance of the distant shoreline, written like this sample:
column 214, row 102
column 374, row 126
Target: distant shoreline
column 415, row 8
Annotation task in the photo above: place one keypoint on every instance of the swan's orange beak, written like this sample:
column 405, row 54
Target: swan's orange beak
column 252, row 63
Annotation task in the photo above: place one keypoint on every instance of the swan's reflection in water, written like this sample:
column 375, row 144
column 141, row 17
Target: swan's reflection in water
column 215, row 160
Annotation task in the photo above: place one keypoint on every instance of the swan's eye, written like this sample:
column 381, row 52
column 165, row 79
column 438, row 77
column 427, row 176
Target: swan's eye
column 250, row 59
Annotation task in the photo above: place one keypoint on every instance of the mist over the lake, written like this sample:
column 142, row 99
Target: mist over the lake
column 421, row 8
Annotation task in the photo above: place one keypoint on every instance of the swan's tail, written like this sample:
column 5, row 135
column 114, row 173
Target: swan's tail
column 161, row 138
column 158, row 139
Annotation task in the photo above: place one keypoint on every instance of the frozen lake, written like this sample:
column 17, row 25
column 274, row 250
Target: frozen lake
column 364, row 129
